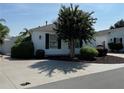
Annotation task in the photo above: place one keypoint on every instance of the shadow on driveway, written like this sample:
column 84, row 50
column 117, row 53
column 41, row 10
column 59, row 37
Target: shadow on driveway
column 50, row 65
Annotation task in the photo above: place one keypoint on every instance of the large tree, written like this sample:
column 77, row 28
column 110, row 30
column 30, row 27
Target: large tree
column 118, row 24
column 4, row 30
column 74, row 24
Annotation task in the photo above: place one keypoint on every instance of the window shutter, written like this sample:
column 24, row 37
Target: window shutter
column 81, row 43
column 59, row 43
column 47, row 41
column 120, row 40
column 114, row 40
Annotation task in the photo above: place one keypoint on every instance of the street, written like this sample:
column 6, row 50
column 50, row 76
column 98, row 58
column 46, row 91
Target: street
column 113, row 79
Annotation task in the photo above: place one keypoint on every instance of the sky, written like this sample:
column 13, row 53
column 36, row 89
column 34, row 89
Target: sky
column 27, row 15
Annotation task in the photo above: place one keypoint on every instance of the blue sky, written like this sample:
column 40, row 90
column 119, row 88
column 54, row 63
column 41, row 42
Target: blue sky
column 19, row 16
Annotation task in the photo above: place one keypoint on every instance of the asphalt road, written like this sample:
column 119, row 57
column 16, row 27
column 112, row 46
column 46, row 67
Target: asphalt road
column 113, row 79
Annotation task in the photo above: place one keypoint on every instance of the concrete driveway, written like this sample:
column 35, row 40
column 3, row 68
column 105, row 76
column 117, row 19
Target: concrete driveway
column 38, row 72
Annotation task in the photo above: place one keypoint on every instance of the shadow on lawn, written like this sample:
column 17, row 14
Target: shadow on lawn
column 65, row 67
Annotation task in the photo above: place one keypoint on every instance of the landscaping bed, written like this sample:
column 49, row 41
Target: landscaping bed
column 104, row 60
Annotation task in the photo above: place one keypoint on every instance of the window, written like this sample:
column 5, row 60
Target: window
column 53, row 41
column 117, row 40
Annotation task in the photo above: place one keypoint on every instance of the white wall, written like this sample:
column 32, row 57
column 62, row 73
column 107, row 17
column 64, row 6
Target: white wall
column 40, row 44
column 6, row 46
column 100, row 39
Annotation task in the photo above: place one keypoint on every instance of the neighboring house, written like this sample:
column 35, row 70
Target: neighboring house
column 5, row 48
column 111, row 35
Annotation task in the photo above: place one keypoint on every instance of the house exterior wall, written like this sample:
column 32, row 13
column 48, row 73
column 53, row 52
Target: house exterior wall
column 119, row 33
column 40, row 44
column 100, row 39
column 5, row 48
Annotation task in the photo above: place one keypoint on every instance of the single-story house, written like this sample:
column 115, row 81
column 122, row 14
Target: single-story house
column 44, row 37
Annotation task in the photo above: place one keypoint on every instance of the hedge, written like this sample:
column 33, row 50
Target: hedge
column 23, row 50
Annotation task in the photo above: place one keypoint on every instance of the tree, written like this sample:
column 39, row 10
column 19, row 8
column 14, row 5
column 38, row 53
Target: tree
column 4, row 30
column 23, row 47
column 2, row 20
column 24, row 36
column 26, row 33
column 74, row 24
column 118, row 24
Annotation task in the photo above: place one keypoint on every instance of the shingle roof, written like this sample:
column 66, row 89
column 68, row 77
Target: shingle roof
column 50, row 27
column 43, row 28
column 103, row 32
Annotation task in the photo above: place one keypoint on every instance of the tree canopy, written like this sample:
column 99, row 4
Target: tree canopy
column 4, row 30
column 118, row 24
column 73, row 23
column 23, row 36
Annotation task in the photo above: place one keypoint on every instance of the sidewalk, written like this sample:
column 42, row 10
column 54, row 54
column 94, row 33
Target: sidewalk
column 117, row 55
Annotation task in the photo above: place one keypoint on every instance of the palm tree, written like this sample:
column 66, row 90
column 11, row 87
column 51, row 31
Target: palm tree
column 2, row 20
column 24, row 36
column 4, row 30
column 26, row 33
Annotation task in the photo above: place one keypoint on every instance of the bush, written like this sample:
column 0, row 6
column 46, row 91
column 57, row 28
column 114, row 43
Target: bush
column 88, row 52
column 111, row 46
column 118, row 46
column 115, row 46
column 102, row 52
column 40, row 53
column 22, row 50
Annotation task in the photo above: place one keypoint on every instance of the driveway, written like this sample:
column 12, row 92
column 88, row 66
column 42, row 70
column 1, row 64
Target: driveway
column 38, row 72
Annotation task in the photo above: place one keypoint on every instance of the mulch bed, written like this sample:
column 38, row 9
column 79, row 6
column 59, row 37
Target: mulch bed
column 104, row 60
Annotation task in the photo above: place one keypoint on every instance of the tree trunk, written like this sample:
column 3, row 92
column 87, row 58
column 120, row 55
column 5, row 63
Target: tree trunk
column 72, row 48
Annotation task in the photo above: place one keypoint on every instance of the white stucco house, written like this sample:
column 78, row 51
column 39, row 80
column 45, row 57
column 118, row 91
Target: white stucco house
column 44, row 37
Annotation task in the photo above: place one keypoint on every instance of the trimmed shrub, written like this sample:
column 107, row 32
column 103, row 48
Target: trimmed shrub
column 118, row 46
column 102, row 52
column 88, row 52
column 111, row 46
column 22, row 50
column 115, row 46
column 40, row 54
